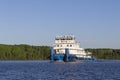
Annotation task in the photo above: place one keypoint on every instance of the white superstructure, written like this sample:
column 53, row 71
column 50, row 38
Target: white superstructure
column 69, row 41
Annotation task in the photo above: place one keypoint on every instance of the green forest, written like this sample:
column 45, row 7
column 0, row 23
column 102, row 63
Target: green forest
column 103, row 53
column 24, row 52
column 28, row 52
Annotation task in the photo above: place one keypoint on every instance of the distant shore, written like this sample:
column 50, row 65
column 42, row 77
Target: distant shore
column 28, row 52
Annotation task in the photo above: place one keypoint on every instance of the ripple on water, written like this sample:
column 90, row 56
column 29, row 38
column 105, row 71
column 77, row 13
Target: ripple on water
column 46, row 70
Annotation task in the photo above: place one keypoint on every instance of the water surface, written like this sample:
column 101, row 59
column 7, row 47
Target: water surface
column 46, row 70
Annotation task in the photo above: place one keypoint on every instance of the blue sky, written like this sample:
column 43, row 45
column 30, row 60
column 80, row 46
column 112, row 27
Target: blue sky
column 95, row 23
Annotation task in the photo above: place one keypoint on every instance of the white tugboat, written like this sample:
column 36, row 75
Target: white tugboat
column 67, row 44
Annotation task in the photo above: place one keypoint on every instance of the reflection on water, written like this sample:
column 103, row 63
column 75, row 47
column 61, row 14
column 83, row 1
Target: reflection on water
column 46, row 70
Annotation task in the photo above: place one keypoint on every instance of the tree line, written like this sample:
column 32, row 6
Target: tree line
column 111, row 54
column 28, row 52
column 24, row 52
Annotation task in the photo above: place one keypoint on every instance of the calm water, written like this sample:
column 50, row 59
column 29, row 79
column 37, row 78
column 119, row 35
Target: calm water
column 46, row 70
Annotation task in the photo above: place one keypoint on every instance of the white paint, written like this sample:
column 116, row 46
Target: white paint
column 69, row 41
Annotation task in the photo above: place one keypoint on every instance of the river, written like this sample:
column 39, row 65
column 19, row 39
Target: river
column 46, row 70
